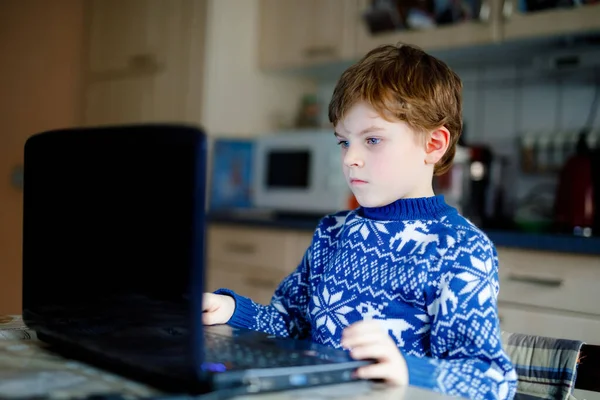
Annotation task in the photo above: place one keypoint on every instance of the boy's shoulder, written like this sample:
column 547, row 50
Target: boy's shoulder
column 333, row 223
column 464, row 234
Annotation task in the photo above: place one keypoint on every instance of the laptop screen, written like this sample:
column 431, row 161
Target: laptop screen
column 111, row 214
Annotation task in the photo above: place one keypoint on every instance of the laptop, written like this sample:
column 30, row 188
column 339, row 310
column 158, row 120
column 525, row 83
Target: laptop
column 113, row 266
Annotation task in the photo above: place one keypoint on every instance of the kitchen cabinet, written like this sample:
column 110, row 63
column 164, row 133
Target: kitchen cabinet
column 118, row 101
column 547, row 294
column 542, row 322
column 252, row 261
column 144, row 61
column 485, row 30
column 553, row 22
column 302, row 33
column 132, row 34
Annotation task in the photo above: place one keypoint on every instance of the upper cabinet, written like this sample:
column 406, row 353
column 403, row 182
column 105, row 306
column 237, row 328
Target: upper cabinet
column 144, row 61
column 301, row 33
column 132, row 34
column 478, row 26
column 550, row 22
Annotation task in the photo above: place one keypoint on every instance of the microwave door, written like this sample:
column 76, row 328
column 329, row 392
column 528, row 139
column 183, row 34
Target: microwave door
column 288, row 169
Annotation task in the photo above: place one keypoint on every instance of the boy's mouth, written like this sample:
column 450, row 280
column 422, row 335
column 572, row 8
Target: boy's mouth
column 354, row 181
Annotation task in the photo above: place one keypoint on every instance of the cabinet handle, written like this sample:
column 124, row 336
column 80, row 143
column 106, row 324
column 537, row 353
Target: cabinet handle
column 535, row 280
column 241, row 248
column 319, row 51
column 143, row 62
column 484, row 11
column 507, row 9
column 262, row 283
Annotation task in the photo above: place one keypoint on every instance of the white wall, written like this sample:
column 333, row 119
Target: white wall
column 239, row 99
column 501, row 103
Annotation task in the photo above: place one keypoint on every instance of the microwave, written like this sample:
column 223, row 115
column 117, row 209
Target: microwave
column 300, row 172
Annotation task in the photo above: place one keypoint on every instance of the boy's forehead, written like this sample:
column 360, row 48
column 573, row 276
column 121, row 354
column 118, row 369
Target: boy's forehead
column 359, row 117
column 360, row 121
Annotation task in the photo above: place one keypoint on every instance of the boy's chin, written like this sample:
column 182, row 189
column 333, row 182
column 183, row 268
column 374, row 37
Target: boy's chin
column 370, row 203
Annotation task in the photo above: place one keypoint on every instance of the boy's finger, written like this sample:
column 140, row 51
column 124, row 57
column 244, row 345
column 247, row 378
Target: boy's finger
column 377, row 351
column 212, row 318
column 208, row 318
column 207, row 301
column 353, row 341
column 363, row 327
column 210, row 302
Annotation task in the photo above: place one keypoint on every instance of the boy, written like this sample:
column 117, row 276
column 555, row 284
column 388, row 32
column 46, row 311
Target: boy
column 403, row 279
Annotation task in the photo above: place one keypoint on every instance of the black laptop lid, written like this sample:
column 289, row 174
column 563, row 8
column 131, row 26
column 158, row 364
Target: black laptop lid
column 113, row 224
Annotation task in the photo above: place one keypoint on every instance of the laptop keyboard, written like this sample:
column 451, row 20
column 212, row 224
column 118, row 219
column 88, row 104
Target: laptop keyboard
column 153, row 347
column 240, row 355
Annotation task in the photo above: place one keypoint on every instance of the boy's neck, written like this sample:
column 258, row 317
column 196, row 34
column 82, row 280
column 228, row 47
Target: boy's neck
column 426, row 190
column 414, row 208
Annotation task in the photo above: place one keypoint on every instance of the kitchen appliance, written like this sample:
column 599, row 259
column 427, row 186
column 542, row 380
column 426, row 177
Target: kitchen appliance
column 300, row 172
column 577, row 198
column 475, row 185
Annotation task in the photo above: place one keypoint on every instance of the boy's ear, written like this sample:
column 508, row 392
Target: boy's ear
column 436, row 145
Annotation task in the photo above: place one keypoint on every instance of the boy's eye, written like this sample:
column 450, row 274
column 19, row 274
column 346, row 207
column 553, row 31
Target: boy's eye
column 373, row 140
column 343, row 143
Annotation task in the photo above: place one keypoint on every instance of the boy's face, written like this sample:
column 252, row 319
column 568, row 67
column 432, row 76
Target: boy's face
column 383, row 161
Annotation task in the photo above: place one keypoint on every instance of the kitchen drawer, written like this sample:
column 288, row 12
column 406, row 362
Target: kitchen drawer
column 267, row 248
column 257, row 284
column 302, row 241
column 217, row 278
column 532, row 321
column 555, row 281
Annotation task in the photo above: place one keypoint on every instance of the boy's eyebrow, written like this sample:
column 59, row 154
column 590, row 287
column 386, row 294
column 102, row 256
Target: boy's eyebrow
column 370, row 129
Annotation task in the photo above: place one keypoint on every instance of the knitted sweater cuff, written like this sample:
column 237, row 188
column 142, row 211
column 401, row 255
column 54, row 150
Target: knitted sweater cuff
column 422, row 372
column 243, row 316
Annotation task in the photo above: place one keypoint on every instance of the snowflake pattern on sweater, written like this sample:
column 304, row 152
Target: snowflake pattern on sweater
column 424, row 271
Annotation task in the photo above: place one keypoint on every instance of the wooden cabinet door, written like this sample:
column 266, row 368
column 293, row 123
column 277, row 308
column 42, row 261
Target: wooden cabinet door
column 552, row 22
column 542, row 279
column 135, row 99
column 132, row 33
column 252, row 261
column 145, row 61
column 300, row 33
column 118, row 102
column 534, row 321
column 483, row 31
column 255, row 283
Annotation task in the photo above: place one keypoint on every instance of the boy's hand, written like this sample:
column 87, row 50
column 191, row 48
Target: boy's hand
column 368, row 340
column 217, row 308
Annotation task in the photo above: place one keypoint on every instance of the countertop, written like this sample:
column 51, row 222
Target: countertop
column 501, row 238
column 28, row 368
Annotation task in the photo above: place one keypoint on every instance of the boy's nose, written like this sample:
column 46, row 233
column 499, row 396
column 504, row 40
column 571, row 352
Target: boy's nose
column 353, row 158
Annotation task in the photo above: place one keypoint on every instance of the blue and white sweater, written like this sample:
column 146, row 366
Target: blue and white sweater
column 428, row 273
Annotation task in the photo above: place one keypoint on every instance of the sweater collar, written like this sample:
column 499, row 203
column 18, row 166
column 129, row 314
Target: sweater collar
column 409, row 209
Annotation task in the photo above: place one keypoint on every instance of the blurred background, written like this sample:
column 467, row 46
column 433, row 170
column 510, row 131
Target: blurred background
column 257, row 75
